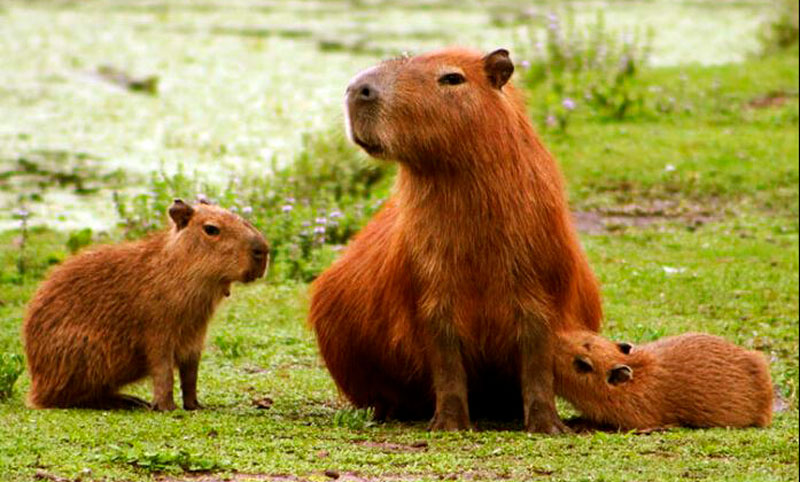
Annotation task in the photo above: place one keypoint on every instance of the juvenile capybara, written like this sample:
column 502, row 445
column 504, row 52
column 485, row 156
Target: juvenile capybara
column 116, row 314
column 445, row 304
column 691, row 380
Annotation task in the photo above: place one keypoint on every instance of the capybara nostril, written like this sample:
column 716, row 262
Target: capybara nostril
column 260, row 250
column 366, row 92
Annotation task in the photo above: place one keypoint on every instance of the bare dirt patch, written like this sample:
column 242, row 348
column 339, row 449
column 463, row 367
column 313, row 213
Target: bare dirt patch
column 388, row 447
column 771, row 99
column 618, row 218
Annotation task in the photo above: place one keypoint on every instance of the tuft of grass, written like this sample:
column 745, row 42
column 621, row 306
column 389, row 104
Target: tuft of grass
column 174, row 461
column 782, row 30
column 589, row 67
column 354, row 419
column 79, row 239
column 231, row 346
column 11, row 366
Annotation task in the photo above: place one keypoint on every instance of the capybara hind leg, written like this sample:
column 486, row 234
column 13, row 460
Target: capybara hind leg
column 536, row 380
column 449, row 385
column 115, row 401
column 130, row 402
column 188, row 372
column 584, row 425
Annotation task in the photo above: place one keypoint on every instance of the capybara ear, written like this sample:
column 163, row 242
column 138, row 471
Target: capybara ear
column 625, row 347
column 583, row 364
column 181, row 213
column 620, row 374
column 498, row 67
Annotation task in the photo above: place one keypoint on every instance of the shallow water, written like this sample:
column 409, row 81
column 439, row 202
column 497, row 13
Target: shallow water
column 241, row 82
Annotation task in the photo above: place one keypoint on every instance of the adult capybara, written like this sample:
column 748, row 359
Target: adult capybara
column 445, row 304
column 116, row 314
column 692, row 380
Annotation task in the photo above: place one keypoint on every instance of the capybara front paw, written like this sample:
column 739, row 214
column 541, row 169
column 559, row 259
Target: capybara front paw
column 546, row 424
column 447, row 424
column 451, row 415
column 164, row 406
column 191, row 405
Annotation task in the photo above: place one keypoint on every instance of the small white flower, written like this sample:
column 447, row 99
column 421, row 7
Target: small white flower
column 672, row 270
column 669, row 167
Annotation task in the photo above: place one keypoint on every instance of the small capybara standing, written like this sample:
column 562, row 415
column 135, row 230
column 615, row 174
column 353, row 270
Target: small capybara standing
column 691, row 380
column 447, row 301
column 116, row 314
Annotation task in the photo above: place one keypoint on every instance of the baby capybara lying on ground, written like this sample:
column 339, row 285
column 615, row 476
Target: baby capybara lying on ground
column 116, row 314
column 692, row 380
column 447, row 301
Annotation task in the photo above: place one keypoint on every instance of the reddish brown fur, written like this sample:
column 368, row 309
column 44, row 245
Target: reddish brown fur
column 692, row 380
column 116, row 314
column 475, row 253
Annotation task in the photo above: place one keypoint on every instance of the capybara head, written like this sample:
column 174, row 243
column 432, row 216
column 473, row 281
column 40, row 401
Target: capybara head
column 223, row 246
column 433, row 108
column 588, row 359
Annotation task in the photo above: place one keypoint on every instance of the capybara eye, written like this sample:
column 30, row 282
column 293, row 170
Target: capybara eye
column 582, row 364
column 452, row 79
column 211, row 230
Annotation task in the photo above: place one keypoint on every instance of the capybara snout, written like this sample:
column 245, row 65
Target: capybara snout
column 363, row 99
column 115, row 314
column 259, row 250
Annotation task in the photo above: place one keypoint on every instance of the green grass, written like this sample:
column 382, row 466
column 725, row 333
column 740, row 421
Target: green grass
column 739, row 281
column 701, row 214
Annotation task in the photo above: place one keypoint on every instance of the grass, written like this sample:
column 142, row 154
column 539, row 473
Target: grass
column 696, row 230
column 739, row 282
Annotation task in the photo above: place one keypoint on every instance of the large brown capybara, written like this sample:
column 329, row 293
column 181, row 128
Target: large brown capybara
column 116, row 314
column 446, row 303
column 691, row 380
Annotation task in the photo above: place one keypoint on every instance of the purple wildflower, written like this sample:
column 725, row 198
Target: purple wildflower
column 319, row 230
column 287, row 208
column 335, row 214
column 247, row 210
column 568, row 104
column 322, row 221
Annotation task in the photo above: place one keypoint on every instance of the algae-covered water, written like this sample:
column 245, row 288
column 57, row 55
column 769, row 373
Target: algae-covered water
column 239, row 83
